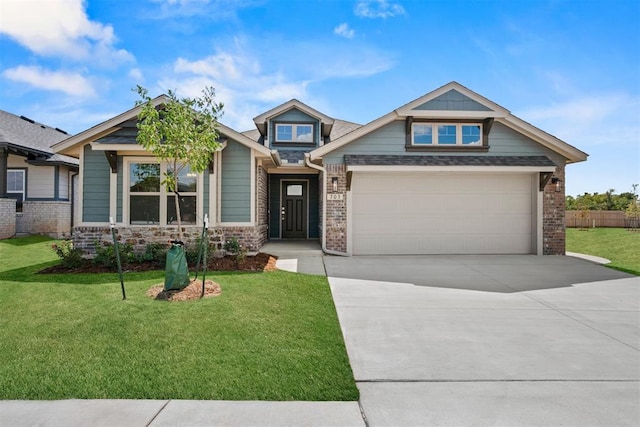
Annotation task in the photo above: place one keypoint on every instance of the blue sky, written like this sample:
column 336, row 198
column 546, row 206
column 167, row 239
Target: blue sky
column 572, row 68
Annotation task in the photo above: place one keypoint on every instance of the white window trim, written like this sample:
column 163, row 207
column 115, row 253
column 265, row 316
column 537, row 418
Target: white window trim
column 163, row 193
column 24, row 183
column 294, row 127
column 434, row 134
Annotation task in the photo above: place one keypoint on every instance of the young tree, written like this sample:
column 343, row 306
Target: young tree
column 182, row 131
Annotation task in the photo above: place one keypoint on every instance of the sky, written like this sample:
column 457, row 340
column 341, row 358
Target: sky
column 569, row 67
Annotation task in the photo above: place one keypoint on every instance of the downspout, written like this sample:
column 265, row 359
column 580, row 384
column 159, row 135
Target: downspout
column 323, row 171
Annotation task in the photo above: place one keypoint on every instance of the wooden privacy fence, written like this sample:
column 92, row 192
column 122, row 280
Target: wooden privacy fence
column 600, row 219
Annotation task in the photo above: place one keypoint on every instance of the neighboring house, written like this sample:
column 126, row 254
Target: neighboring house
column 448, row 173
column 35, row 183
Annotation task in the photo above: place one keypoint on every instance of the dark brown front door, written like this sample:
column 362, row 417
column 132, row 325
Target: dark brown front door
column 294, row 210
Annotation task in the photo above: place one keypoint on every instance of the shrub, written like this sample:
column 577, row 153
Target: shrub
column 234, row 247
column 106, row 254
column 154, row 252
column 71, row 257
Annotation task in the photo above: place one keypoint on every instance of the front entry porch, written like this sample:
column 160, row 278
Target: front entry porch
column 293, row 206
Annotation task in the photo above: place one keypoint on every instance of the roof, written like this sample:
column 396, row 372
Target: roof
column 261, row 120
column 489, row 109
column 72, row 144
column 26, row 137
column 399, row 160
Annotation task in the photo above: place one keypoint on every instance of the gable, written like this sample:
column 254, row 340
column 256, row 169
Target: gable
column 452, row 101
column 294, row 115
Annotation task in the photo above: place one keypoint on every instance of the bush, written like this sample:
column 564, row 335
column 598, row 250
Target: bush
column 154, row 252
column 234, row 247
column 106, row 254
column 71, row 257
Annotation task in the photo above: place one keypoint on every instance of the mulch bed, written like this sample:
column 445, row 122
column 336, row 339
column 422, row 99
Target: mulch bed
column 260, row 262
column 192, row 291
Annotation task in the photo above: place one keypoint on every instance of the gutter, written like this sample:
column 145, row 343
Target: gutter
column 323, row 171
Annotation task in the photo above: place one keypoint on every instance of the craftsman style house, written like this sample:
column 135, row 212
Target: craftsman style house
column 35, row 184
column 448, row 173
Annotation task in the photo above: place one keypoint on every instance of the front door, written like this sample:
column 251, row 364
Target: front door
column 293, row 212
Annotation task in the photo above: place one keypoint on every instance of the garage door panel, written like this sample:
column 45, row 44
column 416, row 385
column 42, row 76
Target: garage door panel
column 423, row 213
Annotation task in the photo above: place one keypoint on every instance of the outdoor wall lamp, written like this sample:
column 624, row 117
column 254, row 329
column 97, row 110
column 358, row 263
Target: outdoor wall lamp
column 334, row 183
column 556, row 181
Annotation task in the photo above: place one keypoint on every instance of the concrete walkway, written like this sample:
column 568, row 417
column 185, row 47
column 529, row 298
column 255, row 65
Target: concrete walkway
column 490, row 340
column 298, row 256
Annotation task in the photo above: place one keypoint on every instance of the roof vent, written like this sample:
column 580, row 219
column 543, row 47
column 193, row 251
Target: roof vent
column 62, row 131
column 27, row 119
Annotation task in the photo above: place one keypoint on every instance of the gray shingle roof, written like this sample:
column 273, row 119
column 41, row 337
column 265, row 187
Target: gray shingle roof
column 462, row 160
column 292, row 156
column 28, row 136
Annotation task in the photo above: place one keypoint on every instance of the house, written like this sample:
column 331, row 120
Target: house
column 35, row 183
column 448, row 173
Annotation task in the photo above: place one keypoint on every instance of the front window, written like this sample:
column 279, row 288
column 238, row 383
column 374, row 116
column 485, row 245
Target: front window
column 149, row 201
column 446, row 134
column 301, row 133
column 16, row 186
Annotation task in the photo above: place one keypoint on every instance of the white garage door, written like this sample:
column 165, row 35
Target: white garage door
column 442, row 213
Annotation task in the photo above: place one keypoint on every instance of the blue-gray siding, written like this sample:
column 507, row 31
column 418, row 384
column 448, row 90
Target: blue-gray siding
column 95, row 186
column 294, row 116
column 235, row 195
column 390, row 139
column 119, row 190
column 452, row 101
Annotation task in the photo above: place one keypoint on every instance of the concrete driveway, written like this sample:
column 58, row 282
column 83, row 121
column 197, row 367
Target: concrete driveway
column 490, row 340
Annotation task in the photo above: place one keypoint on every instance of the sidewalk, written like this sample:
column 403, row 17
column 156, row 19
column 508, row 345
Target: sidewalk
column 156, row 413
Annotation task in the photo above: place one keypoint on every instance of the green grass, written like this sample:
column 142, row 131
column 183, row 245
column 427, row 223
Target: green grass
column 619, row 245
column 268, row 336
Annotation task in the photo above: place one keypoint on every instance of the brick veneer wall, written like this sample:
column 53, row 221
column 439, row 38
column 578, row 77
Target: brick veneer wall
column 84, row 237
column 336, row 210
column 553, row 216
column 7, row 218
column 51, row 218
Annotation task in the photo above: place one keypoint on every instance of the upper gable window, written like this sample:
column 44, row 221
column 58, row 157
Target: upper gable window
column 294, row 133
column 446, row 134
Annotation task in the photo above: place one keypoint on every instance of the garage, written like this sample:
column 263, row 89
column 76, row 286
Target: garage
column 442, row 213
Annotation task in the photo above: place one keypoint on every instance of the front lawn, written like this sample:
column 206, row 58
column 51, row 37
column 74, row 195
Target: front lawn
column 268, row 336
column 619, row 245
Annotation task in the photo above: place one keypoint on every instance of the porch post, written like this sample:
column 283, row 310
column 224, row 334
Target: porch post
column 4, row 155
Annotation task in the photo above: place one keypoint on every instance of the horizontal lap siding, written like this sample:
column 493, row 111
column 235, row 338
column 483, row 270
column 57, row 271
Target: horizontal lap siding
column 95, row 186
column 236, row 183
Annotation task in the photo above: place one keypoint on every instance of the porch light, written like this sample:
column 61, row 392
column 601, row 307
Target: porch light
column 556, row 181
column 334, row 183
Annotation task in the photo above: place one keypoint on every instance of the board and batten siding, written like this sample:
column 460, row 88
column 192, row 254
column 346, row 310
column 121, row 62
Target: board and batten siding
column 95, row 186
column 235, row 197
column 390, row 140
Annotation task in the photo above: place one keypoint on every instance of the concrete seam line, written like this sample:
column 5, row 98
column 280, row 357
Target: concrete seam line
column 362, row 414
column 158, row 413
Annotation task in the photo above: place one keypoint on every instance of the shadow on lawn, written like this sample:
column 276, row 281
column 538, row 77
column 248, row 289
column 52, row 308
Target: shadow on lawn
column 30, row 274
column 26, row 241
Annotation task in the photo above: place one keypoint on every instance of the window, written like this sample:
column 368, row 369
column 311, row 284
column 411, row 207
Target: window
column 446, row 134
column 16, row 186
column 149, row 201
column 294, row 133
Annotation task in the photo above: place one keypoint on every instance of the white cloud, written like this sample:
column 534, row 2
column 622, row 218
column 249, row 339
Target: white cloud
column 378, row 9
column 343, row 30
column 136, row 74
column 60, row 28
column 609, row 119
column 72, row 84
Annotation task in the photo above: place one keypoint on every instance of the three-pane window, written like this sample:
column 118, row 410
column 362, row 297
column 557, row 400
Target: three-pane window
column 454, row 134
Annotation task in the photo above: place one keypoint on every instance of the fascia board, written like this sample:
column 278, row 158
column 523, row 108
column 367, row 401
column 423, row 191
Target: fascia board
column 353, row 135
column 294, row 103
column 244, row 140
column 102, row 129
column 408, row 109
column 400, row 168
column 571, row 153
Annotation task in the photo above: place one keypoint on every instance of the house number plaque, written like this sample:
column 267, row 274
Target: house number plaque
column 335, row 196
